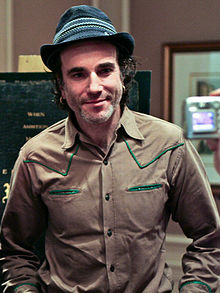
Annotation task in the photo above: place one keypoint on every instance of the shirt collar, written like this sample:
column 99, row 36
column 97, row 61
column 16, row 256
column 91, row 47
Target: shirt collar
column 70, row 134
column 130, row 124
column 127, row 121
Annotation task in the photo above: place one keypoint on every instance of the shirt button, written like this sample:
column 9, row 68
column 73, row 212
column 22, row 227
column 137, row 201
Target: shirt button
column 105, row 162
column 107, row 196
column 112, row 268
column 109, row 233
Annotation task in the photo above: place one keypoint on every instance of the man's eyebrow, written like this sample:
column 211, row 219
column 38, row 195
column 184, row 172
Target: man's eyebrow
column 106, row 64
column 81, row 69
column 75, row 69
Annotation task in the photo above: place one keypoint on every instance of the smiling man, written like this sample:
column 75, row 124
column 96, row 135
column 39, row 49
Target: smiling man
column 102, row 184
column 92, row 87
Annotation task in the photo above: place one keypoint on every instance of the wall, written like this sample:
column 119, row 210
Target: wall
column 154, row 22
column 34, row 24
column 35, row 21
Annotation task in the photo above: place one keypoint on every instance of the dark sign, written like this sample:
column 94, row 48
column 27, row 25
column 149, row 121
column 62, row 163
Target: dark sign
column 26, row 108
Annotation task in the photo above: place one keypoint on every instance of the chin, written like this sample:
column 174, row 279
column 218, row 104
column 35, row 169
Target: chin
column 99, row 118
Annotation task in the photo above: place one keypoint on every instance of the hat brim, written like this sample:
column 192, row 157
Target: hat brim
column 124, row 41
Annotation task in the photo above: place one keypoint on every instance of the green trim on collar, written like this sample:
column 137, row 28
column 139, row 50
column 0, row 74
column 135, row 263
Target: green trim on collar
column 64, row 192
column 156, row 158
column 145, row 187
column 195, row 282
column 61, row 173
column 23, row 284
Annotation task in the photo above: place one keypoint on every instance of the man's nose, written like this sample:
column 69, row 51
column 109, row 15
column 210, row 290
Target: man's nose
column 94, row 83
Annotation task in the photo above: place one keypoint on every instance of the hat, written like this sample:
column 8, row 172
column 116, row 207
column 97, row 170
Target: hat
column 85, row 22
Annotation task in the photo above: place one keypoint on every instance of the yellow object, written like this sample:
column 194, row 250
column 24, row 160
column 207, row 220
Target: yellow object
column 31, row 63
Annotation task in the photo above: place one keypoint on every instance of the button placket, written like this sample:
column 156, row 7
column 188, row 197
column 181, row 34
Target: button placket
column 108, row 221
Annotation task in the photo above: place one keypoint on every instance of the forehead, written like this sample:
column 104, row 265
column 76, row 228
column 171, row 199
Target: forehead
column 88, row 51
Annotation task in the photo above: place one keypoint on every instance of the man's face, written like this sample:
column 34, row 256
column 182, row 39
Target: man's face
column 92, row 84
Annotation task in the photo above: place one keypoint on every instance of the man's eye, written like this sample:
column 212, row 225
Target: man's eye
column 106, row 71
column 77, row 75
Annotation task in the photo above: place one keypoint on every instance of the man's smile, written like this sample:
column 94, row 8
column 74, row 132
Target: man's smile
column 96, row 101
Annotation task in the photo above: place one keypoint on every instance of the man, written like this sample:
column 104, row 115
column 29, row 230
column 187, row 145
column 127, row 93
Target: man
column 103, row 183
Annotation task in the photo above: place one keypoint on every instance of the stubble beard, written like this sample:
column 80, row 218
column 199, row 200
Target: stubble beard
column 100, row 117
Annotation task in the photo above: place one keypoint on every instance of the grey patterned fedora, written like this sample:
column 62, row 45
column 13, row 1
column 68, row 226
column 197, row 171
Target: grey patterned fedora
column 85, row 22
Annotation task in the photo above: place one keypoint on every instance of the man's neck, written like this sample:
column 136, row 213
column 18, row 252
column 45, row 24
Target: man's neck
column 104, row 133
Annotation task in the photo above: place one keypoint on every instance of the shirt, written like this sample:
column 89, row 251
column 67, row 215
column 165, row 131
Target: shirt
column 105, row 215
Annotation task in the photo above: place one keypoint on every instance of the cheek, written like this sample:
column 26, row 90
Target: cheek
column 70, row 97
column 116, row 86
column 120, row 89
column 69, row 92
column 119, row 93
column 72, row 101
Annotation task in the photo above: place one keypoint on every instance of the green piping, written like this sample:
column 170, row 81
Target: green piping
column 156, row 158
column 23, row 284
column 145, row 187
column 61, row 173
column 196, row 282
column 64, row 191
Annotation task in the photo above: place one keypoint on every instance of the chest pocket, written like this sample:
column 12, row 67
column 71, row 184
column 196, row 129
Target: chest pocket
column 145, row 187
column 64, row 192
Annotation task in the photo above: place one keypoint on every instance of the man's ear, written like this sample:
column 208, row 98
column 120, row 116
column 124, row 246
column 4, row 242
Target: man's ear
column 61, row 87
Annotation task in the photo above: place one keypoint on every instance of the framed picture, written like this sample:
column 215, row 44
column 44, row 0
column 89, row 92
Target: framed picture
column 191, row 69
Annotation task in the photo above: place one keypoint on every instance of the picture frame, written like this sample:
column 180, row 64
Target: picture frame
column 191, row 69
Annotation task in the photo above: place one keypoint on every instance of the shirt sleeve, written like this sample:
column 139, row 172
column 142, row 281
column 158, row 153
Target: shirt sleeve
column 23, row 222
column 193, row 207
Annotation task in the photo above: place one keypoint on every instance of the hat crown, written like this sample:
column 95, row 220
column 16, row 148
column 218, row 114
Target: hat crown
column 81, row 11
column 84, row 22
column 81, row 21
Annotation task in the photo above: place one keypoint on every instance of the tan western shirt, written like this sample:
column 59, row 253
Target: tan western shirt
column 105, row 215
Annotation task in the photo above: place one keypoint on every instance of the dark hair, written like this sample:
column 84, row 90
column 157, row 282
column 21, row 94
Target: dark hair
column 127, row 66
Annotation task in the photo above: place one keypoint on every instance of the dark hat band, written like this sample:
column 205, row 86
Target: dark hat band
column 80, row 23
